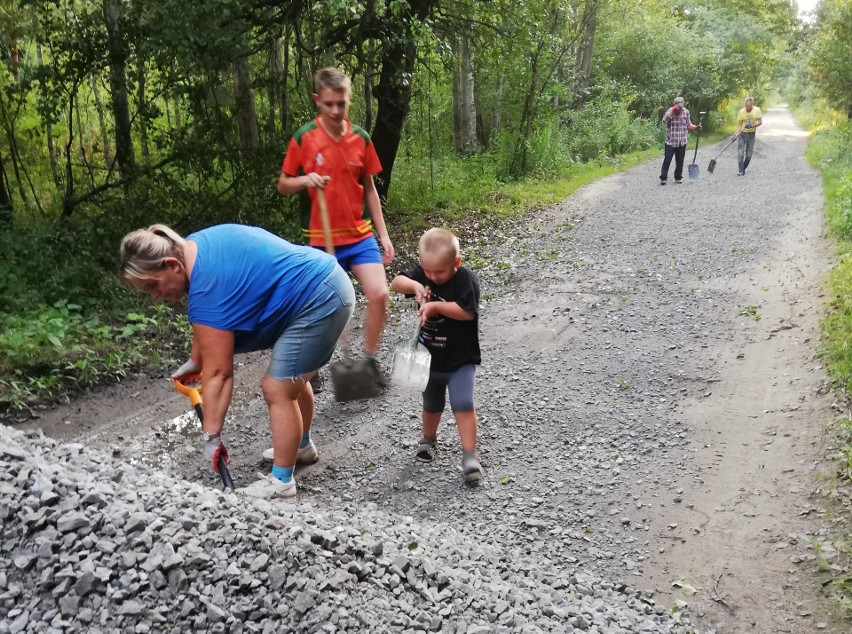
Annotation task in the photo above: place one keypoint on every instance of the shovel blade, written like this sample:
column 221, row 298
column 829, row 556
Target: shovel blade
column 712, row 166
column 354, row 380
column 693, row 171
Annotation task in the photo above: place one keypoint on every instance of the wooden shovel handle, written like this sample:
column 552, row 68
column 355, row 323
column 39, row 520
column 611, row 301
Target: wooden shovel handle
column 326, row 225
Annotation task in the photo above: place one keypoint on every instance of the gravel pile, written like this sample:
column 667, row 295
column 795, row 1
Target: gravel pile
column 92, row 544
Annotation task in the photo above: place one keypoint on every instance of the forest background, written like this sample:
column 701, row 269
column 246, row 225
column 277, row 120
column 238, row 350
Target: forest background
column 120, row 113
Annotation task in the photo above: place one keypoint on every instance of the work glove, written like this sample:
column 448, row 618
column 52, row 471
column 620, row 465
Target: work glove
column 675, row 110
column 187, row 369
column 213, row 448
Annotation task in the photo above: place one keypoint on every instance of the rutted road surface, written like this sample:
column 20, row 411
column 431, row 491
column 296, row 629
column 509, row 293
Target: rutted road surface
column 650, row 402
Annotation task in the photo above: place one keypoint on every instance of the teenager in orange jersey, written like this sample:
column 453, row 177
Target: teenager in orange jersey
column 332, row 154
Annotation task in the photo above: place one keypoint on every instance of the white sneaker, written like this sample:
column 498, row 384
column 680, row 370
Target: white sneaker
column 306, row 455
column 270, row 488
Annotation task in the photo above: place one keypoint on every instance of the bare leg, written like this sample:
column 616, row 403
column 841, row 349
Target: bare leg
column 466, row 423
column 285, row 417
column 431, row 420
column 375, row 284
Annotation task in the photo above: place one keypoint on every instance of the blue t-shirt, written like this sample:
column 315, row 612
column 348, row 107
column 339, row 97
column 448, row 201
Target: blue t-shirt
column 251, row 282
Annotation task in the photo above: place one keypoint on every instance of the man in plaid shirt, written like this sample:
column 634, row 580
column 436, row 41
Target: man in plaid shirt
column 677, row 123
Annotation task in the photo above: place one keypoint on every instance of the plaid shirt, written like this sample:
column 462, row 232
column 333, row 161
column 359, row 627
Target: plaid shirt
column 677, row 128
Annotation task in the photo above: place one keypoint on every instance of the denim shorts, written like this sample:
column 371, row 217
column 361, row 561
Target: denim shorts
column 308, row 342
column 364, row 252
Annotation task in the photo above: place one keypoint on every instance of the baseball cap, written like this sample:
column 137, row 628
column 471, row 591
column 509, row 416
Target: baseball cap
column 679, row 100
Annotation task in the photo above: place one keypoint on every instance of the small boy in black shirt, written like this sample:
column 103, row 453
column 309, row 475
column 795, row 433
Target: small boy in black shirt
column 448, row 298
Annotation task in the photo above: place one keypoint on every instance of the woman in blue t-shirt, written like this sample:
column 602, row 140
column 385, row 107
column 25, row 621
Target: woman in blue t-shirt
column 248, row 290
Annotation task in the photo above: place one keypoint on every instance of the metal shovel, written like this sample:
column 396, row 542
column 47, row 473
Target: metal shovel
column 712, row 165
column 692, row 168
column 194, row 394
column 351, row 379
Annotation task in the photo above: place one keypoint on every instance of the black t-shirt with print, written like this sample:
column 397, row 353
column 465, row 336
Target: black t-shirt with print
column 451, row 342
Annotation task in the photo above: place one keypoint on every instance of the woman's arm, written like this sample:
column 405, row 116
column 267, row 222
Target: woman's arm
column 217, row 350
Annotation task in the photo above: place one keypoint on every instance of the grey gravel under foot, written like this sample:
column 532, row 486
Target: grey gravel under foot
column 94, row 543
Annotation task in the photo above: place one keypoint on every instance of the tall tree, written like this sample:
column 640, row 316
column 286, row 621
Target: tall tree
column 117, row 55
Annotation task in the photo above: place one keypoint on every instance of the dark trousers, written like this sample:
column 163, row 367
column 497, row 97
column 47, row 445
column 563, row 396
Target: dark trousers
column 678, row 153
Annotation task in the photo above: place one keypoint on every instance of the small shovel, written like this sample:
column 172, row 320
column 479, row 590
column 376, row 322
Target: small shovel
column 411, row 363
column 712, row 165
column 692, row 168
column 194, row 394
column 351, row 379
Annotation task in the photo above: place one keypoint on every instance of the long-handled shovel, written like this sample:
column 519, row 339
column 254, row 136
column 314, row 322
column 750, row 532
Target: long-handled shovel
column 194, row 394
column 351, row 379
column 692, row 168
column 712, row 165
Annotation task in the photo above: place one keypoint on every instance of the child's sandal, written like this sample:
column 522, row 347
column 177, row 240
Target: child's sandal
column 426, row 450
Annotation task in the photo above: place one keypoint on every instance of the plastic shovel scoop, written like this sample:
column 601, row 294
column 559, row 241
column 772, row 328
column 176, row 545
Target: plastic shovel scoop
column 411, row 363
column 194, row 394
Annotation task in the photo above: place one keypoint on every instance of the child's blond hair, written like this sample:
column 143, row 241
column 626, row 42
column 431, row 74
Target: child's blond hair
column 439, row 242
column 334, row 79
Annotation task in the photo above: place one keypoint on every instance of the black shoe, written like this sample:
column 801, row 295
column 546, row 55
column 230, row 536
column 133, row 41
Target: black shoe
column 662, row 181
column 678, row 181
column 317, row 383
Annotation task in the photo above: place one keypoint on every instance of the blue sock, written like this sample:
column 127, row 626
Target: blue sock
column 285, row 474
column 306, row 438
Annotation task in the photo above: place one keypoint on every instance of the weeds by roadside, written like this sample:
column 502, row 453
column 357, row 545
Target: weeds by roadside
column 830, row 151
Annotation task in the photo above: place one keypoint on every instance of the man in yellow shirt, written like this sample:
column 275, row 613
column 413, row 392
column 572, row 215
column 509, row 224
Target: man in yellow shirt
column 748, row 120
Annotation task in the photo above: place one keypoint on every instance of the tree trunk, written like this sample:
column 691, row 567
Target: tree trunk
column 273, row 86
column 467, row 104
column 458, row 144
column 393, row 96
column 51, row 147
column 497, row 108
column 368, row 89
column 141, row 106
column 245, row 111
column 584, row 63
column 117, row 54
column 285, row 83
column 99, row 107
column 5, row 198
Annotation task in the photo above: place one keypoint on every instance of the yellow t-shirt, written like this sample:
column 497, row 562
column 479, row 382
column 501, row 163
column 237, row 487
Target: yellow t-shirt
column 749, row 117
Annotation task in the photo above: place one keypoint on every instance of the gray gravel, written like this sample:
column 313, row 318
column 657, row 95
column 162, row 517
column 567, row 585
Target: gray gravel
column 603, row 319
column 91, row 544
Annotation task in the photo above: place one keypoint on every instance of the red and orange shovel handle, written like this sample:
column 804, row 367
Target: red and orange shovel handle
column 194, row 394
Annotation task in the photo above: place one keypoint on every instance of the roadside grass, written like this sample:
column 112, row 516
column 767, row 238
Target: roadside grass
column 830, row 151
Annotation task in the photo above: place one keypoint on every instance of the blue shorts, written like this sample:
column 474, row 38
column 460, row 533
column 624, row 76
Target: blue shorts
column 364, row 252
column 308, row 342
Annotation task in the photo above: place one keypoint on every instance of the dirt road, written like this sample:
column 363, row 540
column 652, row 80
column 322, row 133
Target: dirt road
column 650, row 401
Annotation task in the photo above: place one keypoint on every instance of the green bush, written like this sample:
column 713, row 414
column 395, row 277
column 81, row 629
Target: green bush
column 604, row 128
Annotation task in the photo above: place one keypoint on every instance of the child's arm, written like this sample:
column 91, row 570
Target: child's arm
column 407, row 286
column 447, row 309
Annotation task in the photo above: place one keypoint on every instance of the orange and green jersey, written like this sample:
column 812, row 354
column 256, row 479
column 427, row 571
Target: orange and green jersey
column 346, row 162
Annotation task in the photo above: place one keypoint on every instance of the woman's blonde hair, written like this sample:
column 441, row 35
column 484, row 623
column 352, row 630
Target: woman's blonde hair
column 144, row 251
column 439, row 242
